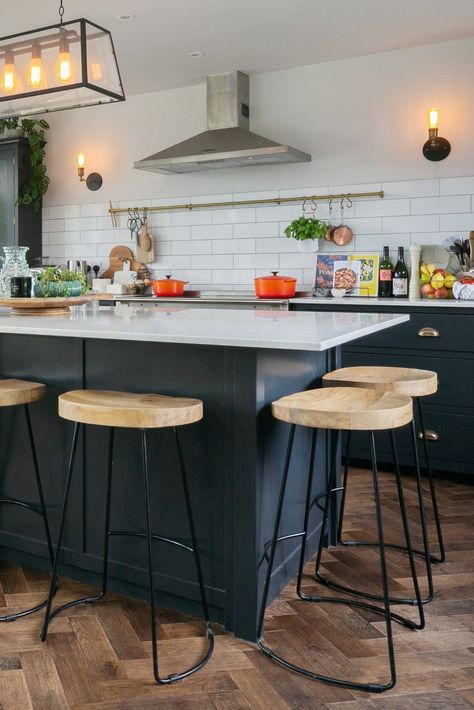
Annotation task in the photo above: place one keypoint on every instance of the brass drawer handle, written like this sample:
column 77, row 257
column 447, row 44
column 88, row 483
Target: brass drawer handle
column 428, row 333
column 429, row 435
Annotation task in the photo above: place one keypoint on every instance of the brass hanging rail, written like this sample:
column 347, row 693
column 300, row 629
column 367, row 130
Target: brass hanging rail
column 114, row 211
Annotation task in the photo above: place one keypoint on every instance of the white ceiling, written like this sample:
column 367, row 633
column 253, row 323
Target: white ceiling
column 252, row 35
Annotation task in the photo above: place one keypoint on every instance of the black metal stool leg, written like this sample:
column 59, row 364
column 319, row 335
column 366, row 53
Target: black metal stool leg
column 41, row 511
column 421, row 504
column 276, row 529
column 340, row 524
column 48, row 616
column 385, row 611
column 87, row 599
column 434, row 500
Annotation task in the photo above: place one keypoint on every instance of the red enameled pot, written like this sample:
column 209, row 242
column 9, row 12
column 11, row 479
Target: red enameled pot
column 275, row 286
column 168, row 286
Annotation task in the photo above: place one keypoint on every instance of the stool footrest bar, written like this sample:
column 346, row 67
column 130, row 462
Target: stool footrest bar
column 170, row 541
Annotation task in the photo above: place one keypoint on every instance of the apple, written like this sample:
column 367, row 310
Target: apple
column 441, row 292
column 440, row 271
column 425, row 278
column 427, row 289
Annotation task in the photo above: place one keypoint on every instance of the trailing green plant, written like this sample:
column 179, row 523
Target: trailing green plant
column 304, row 228
column 34, row 131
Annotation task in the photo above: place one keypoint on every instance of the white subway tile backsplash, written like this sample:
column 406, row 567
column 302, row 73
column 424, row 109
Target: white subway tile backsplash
column 99, row 209
column 53, row 225
column 415, row 223
column 95, row 237
column 457, row 185
column 63, row 211
column 191, row 247
column 81, row 224
column 226, row 247
column 257, row 261
column 458, row 222
column 441, row 205
column 410, row 188
column 233, row 216
column 233, row 246
column 172, row 233
column 215, row 261
column 260, row 229
column 382, row 208
column 212, row 231
column 179, row 219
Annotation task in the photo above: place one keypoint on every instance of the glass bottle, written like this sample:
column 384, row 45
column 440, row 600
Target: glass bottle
column 385, row 275
column 400, row 276
column 13, row 264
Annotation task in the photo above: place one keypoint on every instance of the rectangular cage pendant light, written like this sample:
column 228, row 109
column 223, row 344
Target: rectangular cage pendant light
column 63, row 66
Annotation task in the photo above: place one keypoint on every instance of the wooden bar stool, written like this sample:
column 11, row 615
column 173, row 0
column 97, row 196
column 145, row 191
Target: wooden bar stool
column 416, row 384
column 339, row 409
column 143, row 412
column 12, row 394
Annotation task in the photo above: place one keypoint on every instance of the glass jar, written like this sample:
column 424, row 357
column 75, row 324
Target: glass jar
column 13, row 264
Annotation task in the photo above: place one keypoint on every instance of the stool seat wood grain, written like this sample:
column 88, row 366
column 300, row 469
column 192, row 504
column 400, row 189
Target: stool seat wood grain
column 14, row 392
column 126, row 409
column 403, row 380
column 345, row 408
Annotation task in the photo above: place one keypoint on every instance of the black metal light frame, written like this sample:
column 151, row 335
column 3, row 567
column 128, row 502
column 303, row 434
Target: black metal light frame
column 85, row 83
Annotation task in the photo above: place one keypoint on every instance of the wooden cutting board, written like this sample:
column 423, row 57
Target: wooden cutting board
column 117, row 257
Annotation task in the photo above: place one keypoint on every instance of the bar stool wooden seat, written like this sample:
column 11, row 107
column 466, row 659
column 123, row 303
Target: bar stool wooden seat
column 15, row 393
column 142, row 412
column 415, row 383
column 349, row 409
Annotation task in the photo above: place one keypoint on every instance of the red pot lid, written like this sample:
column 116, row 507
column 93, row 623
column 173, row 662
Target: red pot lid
column 168, row 280
column 275, row 277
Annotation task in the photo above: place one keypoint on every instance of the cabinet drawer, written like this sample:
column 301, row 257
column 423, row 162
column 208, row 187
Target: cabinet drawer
column 452, row 451
column 454, row 373
column 433, row 332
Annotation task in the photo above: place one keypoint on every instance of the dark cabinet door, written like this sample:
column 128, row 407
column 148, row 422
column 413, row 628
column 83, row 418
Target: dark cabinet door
column 7, row 195
column 20, row 225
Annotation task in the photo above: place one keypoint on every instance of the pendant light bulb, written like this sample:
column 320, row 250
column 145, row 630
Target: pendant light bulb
column 36, row 76
column 433, row 118
column 8, row 80
column 64, row 64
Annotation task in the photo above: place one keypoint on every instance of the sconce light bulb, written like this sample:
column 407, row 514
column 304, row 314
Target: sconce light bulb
column 81, row 160
column 433, row 118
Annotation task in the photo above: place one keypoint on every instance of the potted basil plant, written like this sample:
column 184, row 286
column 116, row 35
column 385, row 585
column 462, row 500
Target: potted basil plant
column 307, row 231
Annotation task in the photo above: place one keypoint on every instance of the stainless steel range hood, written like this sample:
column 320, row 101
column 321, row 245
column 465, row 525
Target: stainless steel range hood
column 227, row 143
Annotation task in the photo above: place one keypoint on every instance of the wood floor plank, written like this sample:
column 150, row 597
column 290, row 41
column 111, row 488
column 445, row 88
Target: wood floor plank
column 13, row 691
column 43, row 682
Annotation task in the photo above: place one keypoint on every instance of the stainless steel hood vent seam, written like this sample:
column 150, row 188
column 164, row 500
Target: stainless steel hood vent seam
column 228, row 142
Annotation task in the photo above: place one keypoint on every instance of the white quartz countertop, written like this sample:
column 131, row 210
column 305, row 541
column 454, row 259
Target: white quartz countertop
column 287, row 330
column 389, row 303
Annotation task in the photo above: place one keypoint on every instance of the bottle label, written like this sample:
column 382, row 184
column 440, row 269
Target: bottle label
column 385, row 274
column 400, row 287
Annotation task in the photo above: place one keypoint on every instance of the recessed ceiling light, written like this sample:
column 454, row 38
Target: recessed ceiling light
column 195, row 54
column 126, row 16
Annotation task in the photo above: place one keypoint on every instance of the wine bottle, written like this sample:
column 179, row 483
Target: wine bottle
column 385, row 275
column 400, row 277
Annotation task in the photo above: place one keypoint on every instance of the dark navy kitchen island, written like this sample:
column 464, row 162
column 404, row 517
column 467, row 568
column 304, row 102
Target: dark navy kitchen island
column 237, row 362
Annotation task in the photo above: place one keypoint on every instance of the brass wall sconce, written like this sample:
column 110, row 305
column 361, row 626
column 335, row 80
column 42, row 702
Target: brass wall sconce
column 94, row 180
column 435, row 148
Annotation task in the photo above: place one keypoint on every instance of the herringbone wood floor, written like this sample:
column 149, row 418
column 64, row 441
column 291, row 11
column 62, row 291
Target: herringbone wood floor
column 98, row 657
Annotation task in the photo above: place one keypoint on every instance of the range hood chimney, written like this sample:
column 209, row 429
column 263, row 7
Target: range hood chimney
column 228, row 142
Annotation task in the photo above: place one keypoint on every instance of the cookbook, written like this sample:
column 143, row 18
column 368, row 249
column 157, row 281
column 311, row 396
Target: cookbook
column 356, row 273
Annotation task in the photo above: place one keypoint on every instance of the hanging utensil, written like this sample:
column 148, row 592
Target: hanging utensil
column 145, row 251
column 343, row 234
column 329, row 236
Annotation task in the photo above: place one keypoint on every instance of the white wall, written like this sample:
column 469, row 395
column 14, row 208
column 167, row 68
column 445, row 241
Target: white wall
column 363, row 120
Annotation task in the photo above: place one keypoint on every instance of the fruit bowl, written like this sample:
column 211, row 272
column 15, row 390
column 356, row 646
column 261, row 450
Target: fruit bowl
column 436, row 283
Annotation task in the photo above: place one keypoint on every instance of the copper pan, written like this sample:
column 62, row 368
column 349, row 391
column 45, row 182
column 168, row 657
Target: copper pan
column 342, row 235
column 329, row 236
